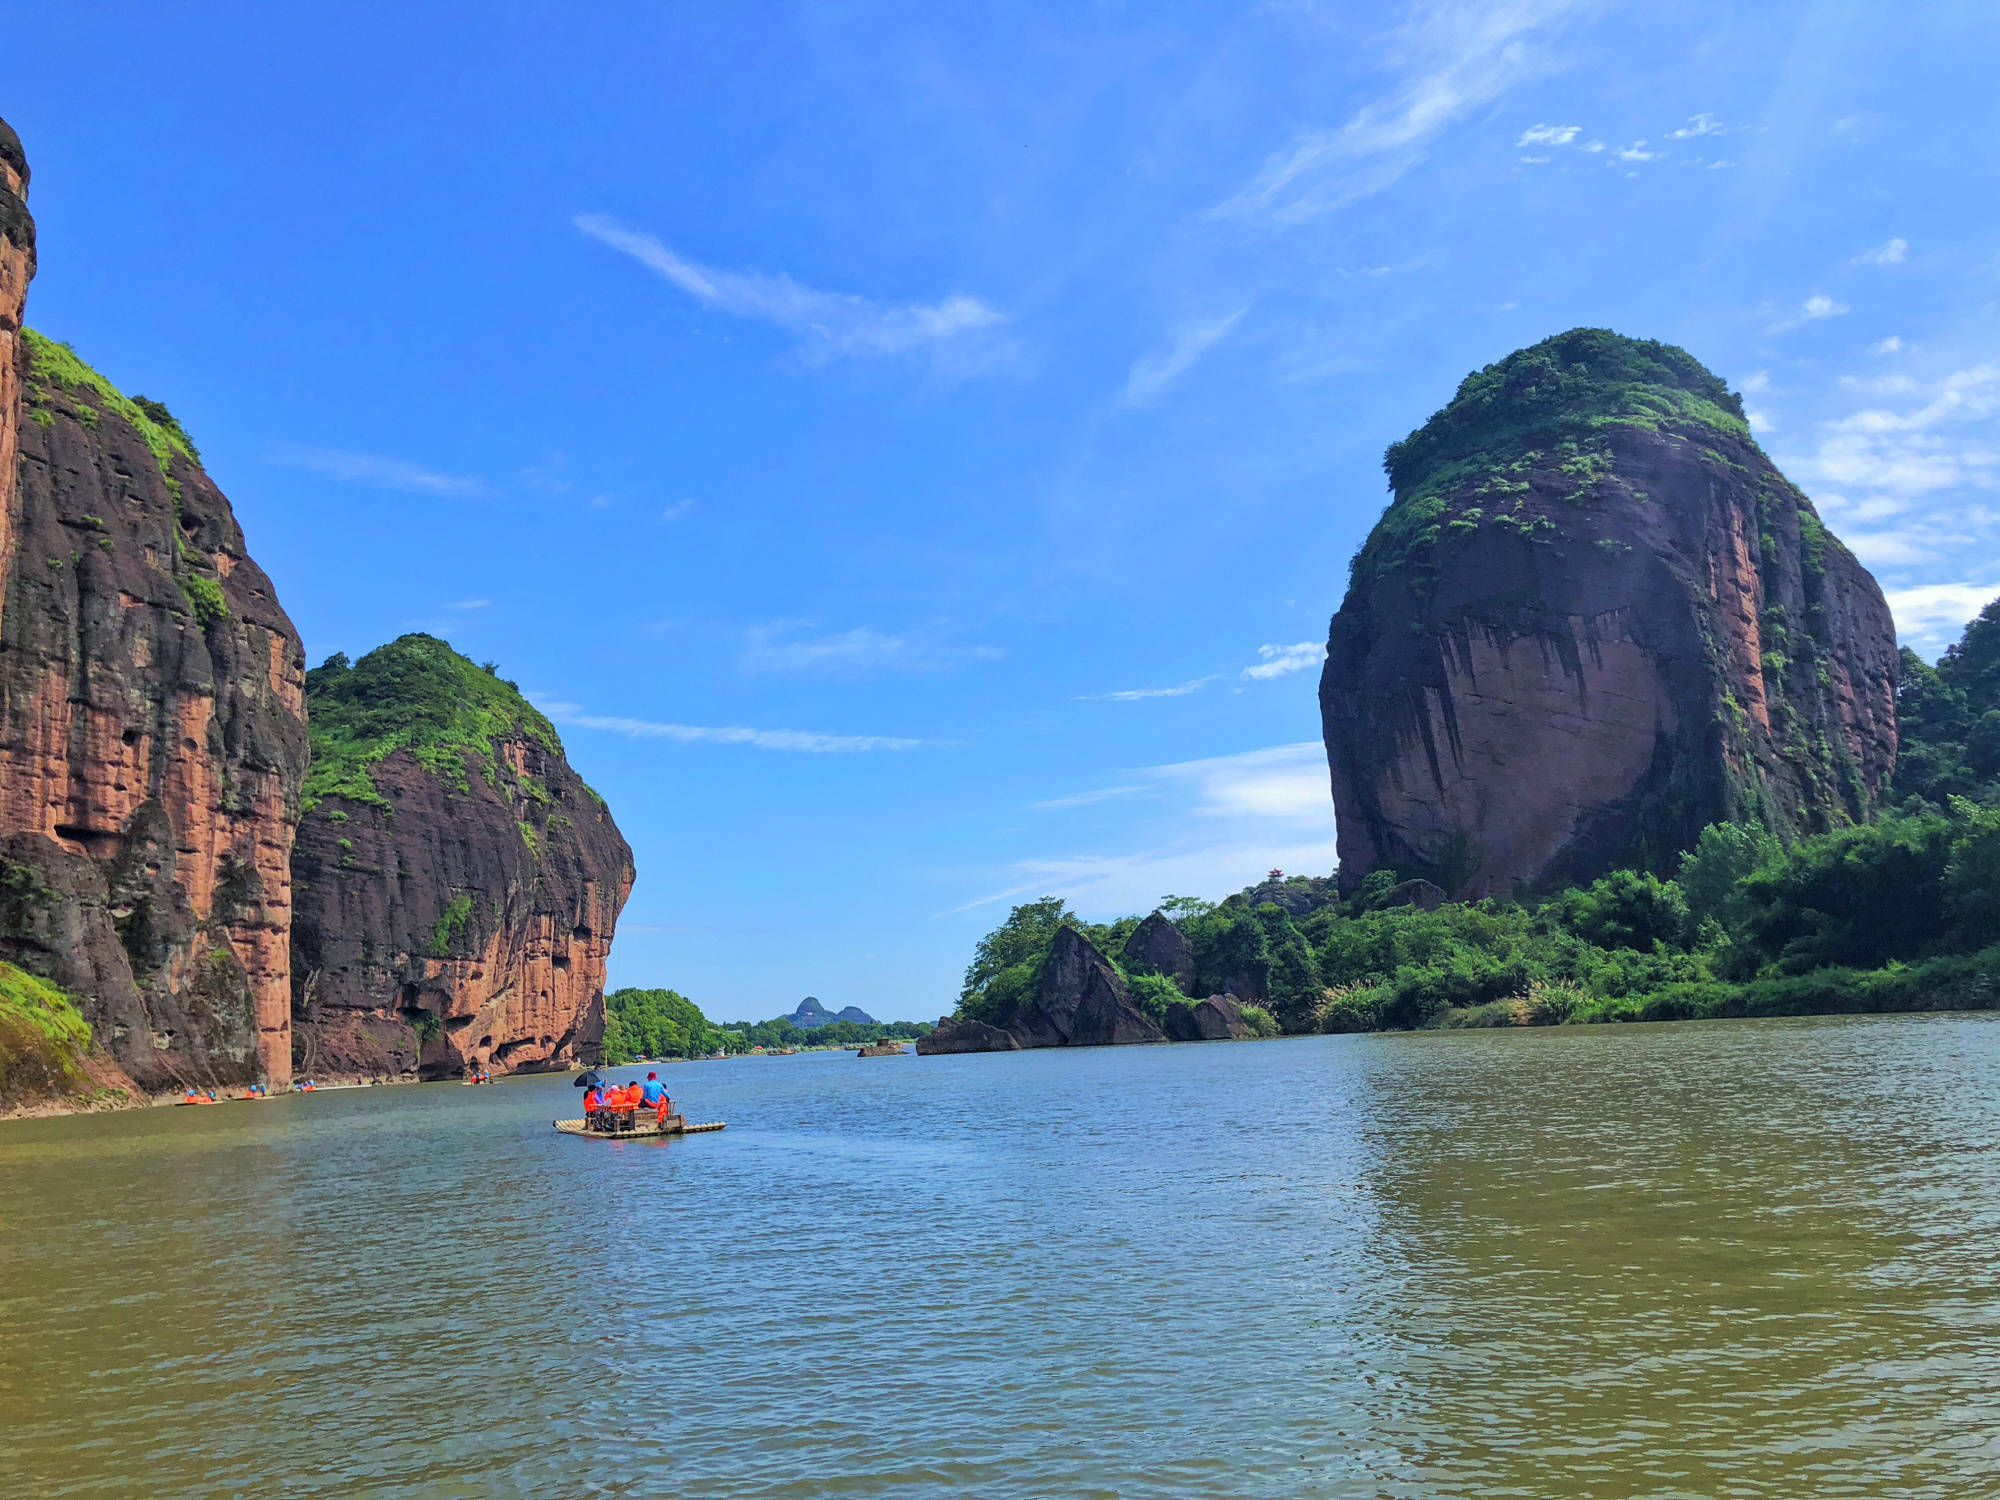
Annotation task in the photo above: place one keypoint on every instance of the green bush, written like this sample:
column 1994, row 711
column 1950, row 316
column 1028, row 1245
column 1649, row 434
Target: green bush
column 1153, row 994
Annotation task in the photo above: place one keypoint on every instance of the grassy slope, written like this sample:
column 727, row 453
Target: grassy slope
column 42, row 1038
column 1547, row 408
column 414, row 694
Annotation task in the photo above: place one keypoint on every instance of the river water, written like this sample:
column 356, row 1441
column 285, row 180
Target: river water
column 1728, row 1258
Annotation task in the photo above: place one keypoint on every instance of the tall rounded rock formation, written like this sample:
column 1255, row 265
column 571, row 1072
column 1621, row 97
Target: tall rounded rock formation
column 152, row 732
column 457, row 882
column 1594, row 619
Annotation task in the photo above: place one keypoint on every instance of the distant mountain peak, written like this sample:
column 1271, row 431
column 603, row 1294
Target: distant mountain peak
column 811, row 1013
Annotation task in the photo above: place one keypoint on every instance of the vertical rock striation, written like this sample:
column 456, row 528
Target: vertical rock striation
column 152, row 732
column 457, row 882
column 1594, row 619
column 17, row 269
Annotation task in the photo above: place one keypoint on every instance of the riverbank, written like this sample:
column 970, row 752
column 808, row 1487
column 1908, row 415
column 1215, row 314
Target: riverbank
column 104, row 1096
column 1954, row 982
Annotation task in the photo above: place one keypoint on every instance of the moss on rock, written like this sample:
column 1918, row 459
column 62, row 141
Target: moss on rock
column 43, row 1038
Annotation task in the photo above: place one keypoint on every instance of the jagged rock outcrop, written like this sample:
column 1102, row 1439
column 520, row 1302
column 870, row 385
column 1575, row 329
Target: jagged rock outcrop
column 1079, row 1002
column 152, row 737
column 1219, row 1018
column 963, row 1034
column 1594, row 619
column 1157, row 946
column 457, row 884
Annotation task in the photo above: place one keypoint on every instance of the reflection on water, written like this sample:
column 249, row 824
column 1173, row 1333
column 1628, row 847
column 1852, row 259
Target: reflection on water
column 1728, row 1258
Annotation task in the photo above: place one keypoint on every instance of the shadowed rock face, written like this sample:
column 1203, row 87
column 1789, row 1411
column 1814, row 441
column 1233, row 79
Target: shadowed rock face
column 1158, row 946
column 962, row 1034
column 1595, row 619
column 1217, row 1019
column 1080, row 1002
column 455, row 903
column 152, row 737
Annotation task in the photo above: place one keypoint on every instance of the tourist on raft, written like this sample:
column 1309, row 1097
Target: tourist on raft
column 602, row 1107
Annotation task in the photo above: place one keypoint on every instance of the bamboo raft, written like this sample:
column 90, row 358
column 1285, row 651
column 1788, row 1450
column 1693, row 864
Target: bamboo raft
column 672, row 1125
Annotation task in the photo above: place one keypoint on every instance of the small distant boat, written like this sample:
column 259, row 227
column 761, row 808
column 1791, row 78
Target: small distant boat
column 672, row 1125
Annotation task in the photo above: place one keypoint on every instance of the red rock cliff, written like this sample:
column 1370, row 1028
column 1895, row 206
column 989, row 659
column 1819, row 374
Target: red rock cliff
column 17, row 269
column 152, row 731
column 1595, row 619
column 457, row 883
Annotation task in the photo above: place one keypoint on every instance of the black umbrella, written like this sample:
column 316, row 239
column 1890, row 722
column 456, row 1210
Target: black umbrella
column 589, row 1080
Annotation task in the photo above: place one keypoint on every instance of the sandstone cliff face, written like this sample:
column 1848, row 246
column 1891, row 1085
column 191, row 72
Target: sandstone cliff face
column 1595, row 619
column 152, row 739
column 1079, row 1002
column 457, row 883
column 17, row 269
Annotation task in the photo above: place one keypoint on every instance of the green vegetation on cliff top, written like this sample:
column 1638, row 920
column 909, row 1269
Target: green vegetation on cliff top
column 57, row 364
column 414, row 694
column 1564, row 388
column 1548, row 407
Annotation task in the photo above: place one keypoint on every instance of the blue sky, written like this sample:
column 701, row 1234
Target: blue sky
column 913, row 450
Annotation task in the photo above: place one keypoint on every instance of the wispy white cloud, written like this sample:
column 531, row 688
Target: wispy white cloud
column 375, row 469
column 1635, row 153
column 1282, row 661
column 1892, row 252
column 1152, row 373
column 1933, row 616
column 464, row 604
column 785, row 646
column 676, row 512
column 1815, row 309
column 1135, row 695
column 958, row 329
column 1235, row 816
column 1891, row 345
column 1915, row 451
column 809, row 741
column 1452, row 57
column 1549, row 135
column 1699, row 125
